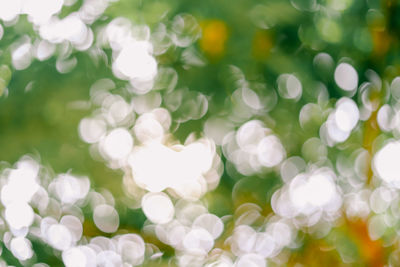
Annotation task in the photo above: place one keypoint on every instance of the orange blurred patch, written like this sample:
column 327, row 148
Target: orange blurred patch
column 371, row 250
column 315, row 254
column 214, row 37
column 262, row 44
column 381, row 41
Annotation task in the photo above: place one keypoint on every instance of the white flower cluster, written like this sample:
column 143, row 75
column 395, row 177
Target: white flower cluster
column 50, row 211
column 309, row 197
column 253, row 147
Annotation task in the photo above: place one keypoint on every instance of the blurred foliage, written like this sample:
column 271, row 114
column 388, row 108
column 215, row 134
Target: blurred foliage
column 40, row 108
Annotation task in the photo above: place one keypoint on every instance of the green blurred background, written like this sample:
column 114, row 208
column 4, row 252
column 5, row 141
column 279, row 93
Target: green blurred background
column 40, row 108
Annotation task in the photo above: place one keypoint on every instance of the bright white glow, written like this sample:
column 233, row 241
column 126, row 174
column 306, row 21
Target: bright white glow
column 19, row 214
column 311, row 194
column 253, row 147
column 75, row 257
column 265, row 244
column 41, row 10
column 10, row 9
column 187, row 211
column 251, row 98
column 386, row 163
column 175, row 233
column 118, row 144
column 93, row 9
column 270, row 151
column 148, row 129
column 222, row 261
column 59, row 236
column 317, row 191
column 74, row 225
column 321, row 189
column 73, row 29
column 163, row 116
column 45, row 50
column 289, row 86
column 118, row 111
column 198, row 240
column 158, row 207
column 213, row 224
column 247, row 213
column 70, row 189
column 22, row 185
column 106, row 218
column 331, row 133
column 141, row 87
column 45, row 224
column 280, row 232
column 346, row 114
column 346, row 77
column 119, row 33
column 244, row 239
column 356, row 204
column 21, row 248
column 341, row 121
column 131, row 247
column 250, row 134
column 92, row 130
column 70, row 28
column 135, row 62
column 108, row 258
column 22, row 56
column 152, row 166
column 253, row 260
column 156, row 167
column 387, row 118
column 171, row 233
